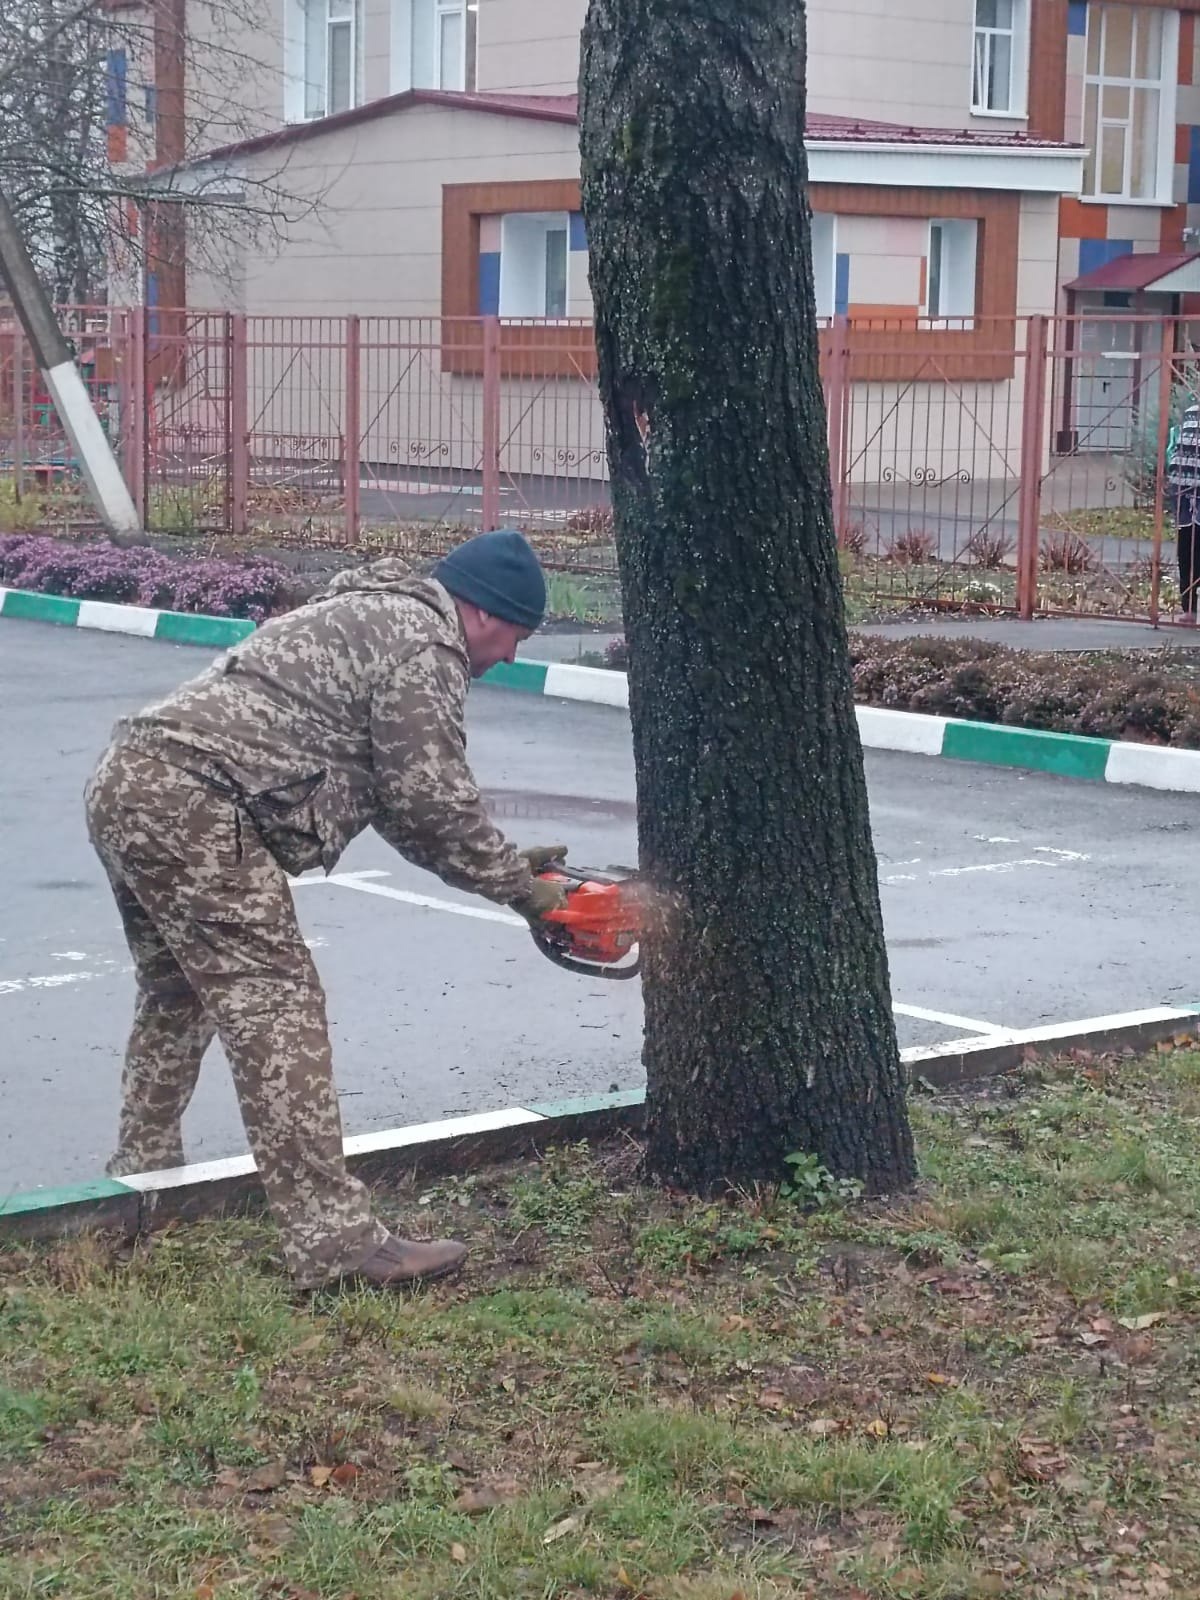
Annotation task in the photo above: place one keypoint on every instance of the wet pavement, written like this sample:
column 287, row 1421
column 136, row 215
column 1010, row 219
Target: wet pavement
column 1010, row 900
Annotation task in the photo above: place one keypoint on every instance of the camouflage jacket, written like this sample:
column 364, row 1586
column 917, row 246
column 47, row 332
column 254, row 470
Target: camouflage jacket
column 345, row 713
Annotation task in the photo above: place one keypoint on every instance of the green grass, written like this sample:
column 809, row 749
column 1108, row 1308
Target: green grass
column 1112, row 522
column 587, row 600
column 985, row 1388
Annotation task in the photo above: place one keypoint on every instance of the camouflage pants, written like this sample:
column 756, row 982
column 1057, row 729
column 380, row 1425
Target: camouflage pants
column 216, row 947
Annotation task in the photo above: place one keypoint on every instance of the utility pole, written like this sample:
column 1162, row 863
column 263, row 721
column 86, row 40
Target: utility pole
column 107, row 487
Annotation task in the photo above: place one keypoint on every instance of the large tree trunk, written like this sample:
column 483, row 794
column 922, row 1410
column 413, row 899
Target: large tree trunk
column 769, row 1028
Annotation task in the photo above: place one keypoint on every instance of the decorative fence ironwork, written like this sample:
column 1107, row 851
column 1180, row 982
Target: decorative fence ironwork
column 1014, row 464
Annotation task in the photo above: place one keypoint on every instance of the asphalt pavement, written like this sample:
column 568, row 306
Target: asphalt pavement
column 1010, row 899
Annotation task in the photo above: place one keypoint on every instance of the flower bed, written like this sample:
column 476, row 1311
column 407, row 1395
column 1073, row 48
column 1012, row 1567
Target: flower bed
column 141, row 576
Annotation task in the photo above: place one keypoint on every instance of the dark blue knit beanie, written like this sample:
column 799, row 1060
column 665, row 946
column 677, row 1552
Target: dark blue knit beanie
column 499, row 573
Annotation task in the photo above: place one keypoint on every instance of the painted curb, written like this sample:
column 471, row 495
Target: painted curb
column 463, row 1144
column 1066, row 755
column 179, row 626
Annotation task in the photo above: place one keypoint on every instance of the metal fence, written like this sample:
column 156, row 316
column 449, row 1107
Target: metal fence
column 1009, row 465
column 997, row 464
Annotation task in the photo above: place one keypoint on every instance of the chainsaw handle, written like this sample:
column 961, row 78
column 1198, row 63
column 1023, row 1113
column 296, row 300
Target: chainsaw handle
column 584, row 969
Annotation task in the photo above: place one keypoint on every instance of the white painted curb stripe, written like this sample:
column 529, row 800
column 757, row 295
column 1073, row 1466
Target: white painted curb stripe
column 364, row 1144
column 912, row 731
column 1046, row 1035
column 197, row 1172
column 1153, row 767
column 359, row 1144
column 110, row 618
column 586, row 683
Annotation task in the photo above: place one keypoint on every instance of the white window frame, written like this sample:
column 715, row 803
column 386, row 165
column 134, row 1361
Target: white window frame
column 982, row 45
column 954, row 241
column 523, row 285
column 417, row 30
column 468, row 12
column 319, row 14
column 1166, row 84
column 825, row 272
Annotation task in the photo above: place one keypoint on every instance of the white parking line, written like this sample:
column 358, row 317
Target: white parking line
column 969, row 1024
column 355, row 880
column 361, row 882
column 53, row 980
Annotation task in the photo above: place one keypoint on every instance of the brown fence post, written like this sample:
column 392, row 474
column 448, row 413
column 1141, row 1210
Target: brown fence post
column 1033, row 448
column 838, row 404
column 489, row 509
column 239, row 424
column 1166, row 375
column 352, row 427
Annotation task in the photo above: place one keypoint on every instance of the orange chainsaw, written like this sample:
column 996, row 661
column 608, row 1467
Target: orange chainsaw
column 598, row 932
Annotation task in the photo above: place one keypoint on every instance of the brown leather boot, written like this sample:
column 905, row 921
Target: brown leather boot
column 400, row 1262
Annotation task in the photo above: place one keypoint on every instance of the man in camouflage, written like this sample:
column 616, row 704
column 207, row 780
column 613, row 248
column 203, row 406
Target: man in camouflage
column 344, row 713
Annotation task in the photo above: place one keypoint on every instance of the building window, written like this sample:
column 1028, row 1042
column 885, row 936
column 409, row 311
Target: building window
column 534, row 250
column 824, row 259
column 998, row 80
column 1129, row 102
column 331, row 52
column 434, row 44
column 455, row 26
column 952, row 269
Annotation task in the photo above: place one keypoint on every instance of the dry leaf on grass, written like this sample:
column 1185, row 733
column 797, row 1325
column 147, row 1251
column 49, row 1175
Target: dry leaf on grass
column 1137, row 1324
column 822, row 1427
column 319, row 1476
column 458, row 1553
column 560, row 1530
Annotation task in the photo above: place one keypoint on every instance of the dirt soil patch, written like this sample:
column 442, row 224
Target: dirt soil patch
column 987, row 1388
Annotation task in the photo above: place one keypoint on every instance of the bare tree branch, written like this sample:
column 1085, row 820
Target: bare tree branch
column 89, row 220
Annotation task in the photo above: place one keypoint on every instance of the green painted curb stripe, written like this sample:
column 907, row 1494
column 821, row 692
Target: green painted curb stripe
column 74, row 1195
column 1068, row 754
column 41, row 607
column 185, row 628
column 589, row 1104
column 527, row 675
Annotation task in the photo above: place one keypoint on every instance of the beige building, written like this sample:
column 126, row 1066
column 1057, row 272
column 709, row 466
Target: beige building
column 1015, row 152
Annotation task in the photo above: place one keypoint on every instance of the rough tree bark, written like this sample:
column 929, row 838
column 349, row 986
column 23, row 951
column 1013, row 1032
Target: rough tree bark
column 769, row 1027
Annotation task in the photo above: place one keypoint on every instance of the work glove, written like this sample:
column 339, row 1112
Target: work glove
column 541, row 856
column 544, row 896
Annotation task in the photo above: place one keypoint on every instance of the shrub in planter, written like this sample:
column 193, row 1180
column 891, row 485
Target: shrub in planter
column 915, row 547
column 989, row 548
column 1140, row 696
column 141, row 576
column 1067, row 552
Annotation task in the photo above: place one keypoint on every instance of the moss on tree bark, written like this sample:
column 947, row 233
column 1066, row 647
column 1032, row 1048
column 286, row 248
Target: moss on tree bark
column 769, row 1027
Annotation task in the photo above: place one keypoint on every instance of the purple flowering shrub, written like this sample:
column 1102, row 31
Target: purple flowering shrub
column 142, row 577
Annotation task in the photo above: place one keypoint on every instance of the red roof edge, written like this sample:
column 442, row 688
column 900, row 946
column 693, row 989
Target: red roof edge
column 1131, row 272
column 538, row 108
column 564, row 108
